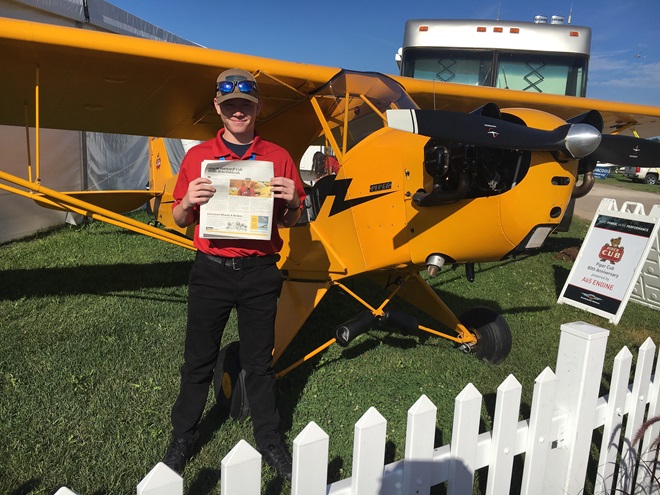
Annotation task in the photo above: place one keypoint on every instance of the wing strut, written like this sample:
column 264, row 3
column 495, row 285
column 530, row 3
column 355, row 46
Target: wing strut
column 63, row 201
column 326, row 128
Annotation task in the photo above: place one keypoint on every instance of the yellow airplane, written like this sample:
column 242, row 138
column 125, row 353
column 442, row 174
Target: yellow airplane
column 431, row 174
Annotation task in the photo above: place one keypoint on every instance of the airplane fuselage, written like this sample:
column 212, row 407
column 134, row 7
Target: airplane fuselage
column 369, row 219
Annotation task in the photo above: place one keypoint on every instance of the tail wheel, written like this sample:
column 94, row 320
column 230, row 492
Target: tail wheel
column 492, row 332
column 229, row 383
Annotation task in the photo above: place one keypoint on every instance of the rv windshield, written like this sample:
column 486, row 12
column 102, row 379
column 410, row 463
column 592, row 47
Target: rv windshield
column 562, row 74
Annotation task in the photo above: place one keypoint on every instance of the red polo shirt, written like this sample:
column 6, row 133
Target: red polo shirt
column 215, row 149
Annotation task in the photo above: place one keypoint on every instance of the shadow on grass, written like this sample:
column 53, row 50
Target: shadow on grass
column 92, row 279
column 335, row 467
column 25, row 488
column 561, row 275
column 205, row 481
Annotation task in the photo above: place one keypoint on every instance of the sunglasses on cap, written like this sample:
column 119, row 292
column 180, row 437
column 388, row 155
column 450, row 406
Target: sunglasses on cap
column 226, row 87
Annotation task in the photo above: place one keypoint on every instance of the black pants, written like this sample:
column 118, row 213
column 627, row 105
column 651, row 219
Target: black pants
column 212, row 293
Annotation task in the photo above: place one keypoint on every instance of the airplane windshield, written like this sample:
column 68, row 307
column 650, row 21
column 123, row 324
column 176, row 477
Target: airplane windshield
column 354, row 104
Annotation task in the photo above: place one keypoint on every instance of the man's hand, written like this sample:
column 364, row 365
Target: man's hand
column 285, row 189
column 199, row 192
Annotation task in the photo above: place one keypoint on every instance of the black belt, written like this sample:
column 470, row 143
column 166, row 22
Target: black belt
column 243, row 262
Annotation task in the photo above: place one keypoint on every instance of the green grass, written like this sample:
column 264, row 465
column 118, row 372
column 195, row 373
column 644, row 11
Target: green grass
column 92, row 331
column 618, row 179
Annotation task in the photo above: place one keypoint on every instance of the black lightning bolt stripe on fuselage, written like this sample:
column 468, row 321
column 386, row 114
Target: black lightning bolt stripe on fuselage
column 339, row 190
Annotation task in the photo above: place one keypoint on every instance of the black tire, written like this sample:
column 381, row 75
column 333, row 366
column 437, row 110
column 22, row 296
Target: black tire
column 492, row 332
column 229, row 383
column 651, row 179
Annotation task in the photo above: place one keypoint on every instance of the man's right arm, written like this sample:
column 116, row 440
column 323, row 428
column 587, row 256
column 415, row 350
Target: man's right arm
column 199, row 192
column 183, row 213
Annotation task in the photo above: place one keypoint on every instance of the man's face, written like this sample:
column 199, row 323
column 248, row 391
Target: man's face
column 248, row 183
column 238, row 115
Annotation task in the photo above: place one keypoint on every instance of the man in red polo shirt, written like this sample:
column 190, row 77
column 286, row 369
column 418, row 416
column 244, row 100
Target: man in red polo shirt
column 247, row 189
column 230, row 273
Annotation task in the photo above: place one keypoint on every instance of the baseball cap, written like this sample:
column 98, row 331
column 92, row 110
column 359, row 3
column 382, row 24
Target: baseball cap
column 229, row 86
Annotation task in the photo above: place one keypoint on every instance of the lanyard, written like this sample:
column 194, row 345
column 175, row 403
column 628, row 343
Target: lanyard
column 253, row 157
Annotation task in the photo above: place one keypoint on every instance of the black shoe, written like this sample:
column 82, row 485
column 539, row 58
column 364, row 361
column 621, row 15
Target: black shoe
column 278, row 457
column 178, row 452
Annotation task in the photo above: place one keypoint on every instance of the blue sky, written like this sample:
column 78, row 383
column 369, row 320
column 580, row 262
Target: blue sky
column 625, row 50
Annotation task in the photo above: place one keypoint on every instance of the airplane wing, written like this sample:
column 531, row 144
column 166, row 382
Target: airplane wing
column 96, row 81
column 617, row 117
column 103, row 82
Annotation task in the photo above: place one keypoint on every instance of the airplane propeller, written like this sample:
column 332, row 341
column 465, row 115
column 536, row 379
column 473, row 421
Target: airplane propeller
column 626, row 151
column 575, row 140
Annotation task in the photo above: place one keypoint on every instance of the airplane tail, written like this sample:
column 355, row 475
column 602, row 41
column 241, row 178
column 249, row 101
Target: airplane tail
column 160, row 171
column 162, row 180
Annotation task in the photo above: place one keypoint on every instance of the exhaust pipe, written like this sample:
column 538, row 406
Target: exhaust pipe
column 398, row 320
column 357, row 325
column 588, row 181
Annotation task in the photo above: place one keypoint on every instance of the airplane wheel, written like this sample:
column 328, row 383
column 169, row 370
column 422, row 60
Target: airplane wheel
column 229, row 382
column 492, row 331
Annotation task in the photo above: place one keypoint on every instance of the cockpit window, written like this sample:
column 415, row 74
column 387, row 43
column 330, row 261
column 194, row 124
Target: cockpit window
column 354, row 105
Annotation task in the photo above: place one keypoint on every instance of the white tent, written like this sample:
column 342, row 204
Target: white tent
column 72, row 160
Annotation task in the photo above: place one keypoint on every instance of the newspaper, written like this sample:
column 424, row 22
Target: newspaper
column 242, row 206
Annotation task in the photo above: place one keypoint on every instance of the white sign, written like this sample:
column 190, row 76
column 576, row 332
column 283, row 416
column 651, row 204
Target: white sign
column 242, row 206
column 610, row 261
column 647, row 288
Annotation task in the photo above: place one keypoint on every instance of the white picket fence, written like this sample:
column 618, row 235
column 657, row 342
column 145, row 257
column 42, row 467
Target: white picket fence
column 556, row 439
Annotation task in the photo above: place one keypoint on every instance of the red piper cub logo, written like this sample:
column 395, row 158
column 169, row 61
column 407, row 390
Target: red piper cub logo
column 612, row 252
